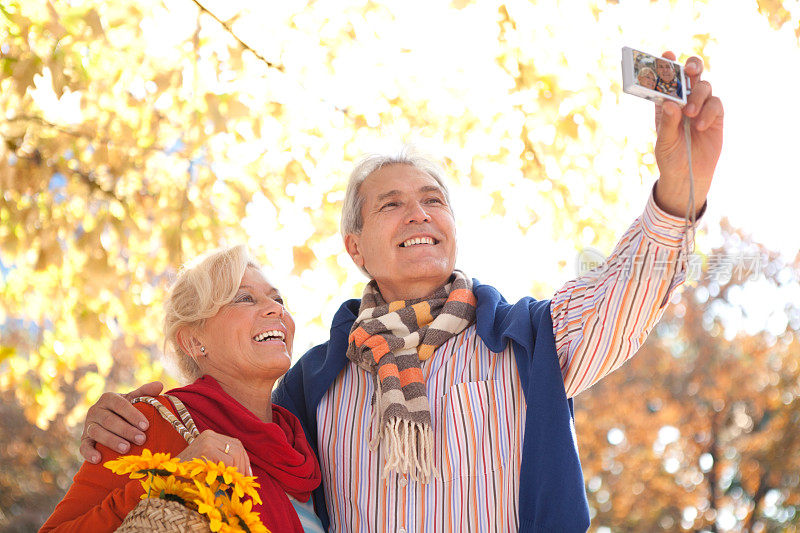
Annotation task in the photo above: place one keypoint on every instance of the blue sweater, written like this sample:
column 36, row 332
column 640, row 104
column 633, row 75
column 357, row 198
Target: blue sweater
column 551, row 494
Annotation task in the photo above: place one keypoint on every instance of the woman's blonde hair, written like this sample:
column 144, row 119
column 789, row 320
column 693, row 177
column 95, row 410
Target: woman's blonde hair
column 203, row 286
column 647, row 70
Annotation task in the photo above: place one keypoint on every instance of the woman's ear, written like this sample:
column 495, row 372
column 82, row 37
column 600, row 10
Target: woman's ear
column 189, row 343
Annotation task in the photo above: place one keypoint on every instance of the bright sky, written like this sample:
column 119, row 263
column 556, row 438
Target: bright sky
column 753, row 68
column 756, row 72
column 438, row 50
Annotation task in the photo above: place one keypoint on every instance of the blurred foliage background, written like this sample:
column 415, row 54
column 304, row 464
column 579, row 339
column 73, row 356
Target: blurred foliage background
column 136, row 135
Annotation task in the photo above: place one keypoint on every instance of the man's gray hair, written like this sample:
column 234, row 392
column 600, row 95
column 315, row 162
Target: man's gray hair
column 352, row 219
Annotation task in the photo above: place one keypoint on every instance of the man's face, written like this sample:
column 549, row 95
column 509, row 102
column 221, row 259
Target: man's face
column 408, row 242
column 665, row 70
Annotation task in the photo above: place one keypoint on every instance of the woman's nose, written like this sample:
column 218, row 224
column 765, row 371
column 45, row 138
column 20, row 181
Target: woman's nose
column 271, row 307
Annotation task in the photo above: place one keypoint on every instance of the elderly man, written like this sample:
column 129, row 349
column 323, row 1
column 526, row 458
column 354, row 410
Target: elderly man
column 436, row 405
column 667, row 81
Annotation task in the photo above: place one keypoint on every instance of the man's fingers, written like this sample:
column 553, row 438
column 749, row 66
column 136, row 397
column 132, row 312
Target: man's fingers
column 669, row 122
column 115, row 432
column 88, row 450
column 712, row 111
column 153, row 388
column 120, row 406
column 693, row 70
column 114, row 422
column 700, row 93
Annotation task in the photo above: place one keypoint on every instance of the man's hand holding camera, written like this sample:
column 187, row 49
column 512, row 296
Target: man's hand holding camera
column 706, row 115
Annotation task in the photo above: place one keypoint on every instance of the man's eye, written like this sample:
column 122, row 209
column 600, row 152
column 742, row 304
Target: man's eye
column 389, row 204
column 279, row 300
column 434, row 201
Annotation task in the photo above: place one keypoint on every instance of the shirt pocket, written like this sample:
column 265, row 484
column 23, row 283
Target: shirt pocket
column 474, row 431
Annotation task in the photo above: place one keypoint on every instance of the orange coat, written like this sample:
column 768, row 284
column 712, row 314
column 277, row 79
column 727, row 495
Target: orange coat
column 98, row 499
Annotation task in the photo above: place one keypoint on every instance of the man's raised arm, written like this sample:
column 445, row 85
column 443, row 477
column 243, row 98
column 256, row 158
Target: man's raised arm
column 601, row 318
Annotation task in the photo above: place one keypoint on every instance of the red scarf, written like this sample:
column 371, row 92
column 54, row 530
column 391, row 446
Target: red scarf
column 280, row 455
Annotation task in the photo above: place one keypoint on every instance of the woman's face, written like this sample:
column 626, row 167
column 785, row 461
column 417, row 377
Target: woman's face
column 647, row 79
column 251, row 337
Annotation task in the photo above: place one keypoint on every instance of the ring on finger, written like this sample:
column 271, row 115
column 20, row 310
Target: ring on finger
column 86, row 431
column 227, row 448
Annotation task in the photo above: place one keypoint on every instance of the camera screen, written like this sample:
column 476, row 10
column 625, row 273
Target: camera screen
column 657, row 74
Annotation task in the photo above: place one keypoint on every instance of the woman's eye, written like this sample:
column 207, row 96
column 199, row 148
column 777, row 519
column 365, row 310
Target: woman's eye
column 434, row 201
column 389, row 204
column 244, row 298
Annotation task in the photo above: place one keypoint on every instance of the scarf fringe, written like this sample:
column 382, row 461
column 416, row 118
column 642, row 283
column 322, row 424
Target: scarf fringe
column 408, row 447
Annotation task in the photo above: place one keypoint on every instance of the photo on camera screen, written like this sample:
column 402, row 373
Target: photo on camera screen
column 652, row 77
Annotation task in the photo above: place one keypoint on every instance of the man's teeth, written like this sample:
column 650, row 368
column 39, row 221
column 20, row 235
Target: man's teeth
column 272, row 334
column 418, row 240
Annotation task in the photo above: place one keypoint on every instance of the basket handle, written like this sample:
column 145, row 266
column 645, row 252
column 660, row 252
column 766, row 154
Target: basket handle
column 185, row 426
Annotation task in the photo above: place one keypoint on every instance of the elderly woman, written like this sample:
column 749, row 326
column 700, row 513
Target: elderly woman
column 232, row 337
column 647, row 78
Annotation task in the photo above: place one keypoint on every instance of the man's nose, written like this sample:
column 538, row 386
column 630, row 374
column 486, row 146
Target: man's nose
column 416, row 213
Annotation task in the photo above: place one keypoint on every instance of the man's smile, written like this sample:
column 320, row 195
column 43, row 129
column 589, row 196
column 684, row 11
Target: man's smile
column 415, row 241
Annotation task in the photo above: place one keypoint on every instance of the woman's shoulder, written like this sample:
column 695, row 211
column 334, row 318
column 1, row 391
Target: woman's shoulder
column 160, row 434
column 154, row 405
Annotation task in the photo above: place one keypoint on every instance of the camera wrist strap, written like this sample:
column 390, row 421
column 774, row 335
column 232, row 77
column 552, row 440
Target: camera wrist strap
column 690, row 214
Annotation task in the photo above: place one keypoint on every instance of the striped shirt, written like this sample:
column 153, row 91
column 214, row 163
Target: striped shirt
column 478, row 414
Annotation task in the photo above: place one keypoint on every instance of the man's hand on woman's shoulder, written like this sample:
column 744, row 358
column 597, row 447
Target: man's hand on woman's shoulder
column 114, row 422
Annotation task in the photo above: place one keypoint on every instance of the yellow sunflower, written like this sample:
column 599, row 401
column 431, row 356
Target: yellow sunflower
column 159, row 487
column 247, row 485
column 213, row 513
column 138, row 465
column 213, row 489
column 230, row 528
column 204, row 494
column 214, row 472
column 243, row 510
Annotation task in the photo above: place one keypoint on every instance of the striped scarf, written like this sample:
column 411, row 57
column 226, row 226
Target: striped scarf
column 667, row 87
column 390, row 340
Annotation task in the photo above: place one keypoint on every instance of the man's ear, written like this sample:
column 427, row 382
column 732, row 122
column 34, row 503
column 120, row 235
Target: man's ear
column 188, row 341
column 352, row 245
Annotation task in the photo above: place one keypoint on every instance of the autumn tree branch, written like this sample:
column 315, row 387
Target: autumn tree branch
column 758, row 496
column 82, row 135
column 243, row 44
column 88, row 178
column 43, row 122
column 345, row 111
column 712, row 475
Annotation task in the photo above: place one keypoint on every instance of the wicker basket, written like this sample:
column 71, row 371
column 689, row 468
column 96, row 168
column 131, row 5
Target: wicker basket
column 162, row 516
